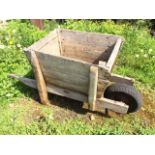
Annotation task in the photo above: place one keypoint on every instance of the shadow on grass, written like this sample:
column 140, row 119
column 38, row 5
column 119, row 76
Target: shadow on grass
column 27, row 91
column 59, row 101
column 73, row 105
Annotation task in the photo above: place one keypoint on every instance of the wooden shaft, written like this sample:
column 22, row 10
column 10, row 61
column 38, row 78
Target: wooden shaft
column 53, row 89
column 93, row 80
column 41, row 85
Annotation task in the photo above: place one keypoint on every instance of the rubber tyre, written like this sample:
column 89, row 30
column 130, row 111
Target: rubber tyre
column 125, row 93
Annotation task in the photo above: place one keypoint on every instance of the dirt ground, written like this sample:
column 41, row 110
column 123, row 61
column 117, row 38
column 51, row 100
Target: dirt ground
column 65, row 109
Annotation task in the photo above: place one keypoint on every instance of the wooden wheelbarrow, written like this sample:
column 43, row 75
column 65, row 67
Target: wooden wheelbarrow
column 78, row 65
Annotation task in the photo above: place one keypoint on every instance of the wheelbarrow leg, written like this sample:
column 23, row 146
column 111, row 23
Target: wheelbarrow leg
column 93, row 80
column 41, row 85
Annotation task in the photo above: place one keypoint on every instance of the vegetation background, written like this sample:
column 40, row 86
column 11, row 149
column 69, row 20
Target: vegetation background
column 19, row 108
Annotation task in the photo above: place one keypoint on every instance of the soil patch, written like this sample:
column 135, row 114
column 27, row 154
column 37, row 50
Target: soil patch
column 65, row 109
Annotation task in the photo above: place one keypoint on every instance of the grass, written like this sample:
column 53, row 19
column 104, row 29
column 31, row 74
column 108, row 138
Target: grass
column 15, row 116
column 136, row 60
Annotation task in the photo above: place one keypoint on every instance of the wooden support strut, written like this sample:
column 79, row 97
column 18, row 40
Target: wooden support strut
column 116, row 106
column 41, row 85
column 93, row 80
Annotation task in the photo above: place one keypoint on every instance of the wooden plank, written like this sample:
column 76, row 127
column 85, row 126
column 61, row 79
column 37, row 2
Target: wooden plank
column 119, row 107
column 85, row 53
column 51, row 47
column 102, row 63
column 28, row 82
column 88, row 38
column 120, row 79
column 85, row 46
column 114, row 55
column 93, row 79
column 90, row 47
column 81, row 54
column 101, row 86
column 65, row 72
column 67, row 84
column 41, row 85
column 40, row 44
column 67, row 93
column 53, row 89
column 103, row 72
column 59, row 41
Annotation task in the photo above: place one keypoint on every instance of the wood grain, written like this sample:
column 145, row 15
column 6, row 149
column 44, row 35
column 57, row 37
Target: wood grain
column 65, row 72
column 41, row 85
column 53, row 89
column 114, row 55
column 121, row 79
column 119, row 107
column 101, row 86
column 93, row 80
column 51, row 47
column 90, row 47
column 42, row 44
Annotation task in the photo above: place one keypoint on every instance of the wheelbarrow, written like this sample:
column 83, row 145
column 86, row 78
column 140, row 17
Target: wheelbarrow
column 78, row 65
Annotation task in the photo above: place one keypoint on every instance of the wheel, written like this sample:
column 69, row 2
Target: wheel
column 125, row 93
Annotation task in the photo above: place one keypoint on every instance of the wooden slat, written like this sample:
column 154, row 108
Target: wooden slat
column 51, row 47
column 114, row 55
column 88, row 38
column 121, row 79
column 93, row 80
column 90, row 47
column 101, row 86
column 103, row 72
column 86, row 53
column 67, row 84
column 28, row 82
column 85, row 46
column 119, row 107
column 41, row 85
column 53, row 89
column 40, row 44
column 59, row 41
column 65, row 72
column 67, row 93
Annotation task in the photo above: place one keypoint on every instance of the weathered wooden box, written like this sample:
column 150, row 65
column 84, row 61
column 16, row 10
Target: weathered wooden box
column 66, row 56
column 76, row 65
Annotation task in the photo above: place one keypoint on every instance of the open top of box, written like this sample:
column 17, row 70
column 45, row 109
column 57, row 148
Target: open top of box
column 83, row 46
